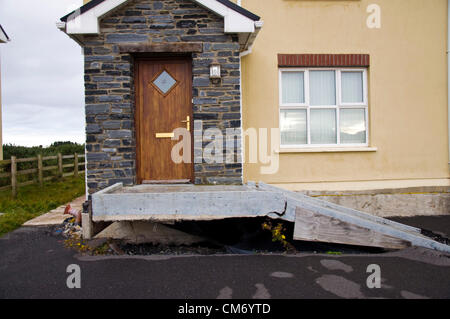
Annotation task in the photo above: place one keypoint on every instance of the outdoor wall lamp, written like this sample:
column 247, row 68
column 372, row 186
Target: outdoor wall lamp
column 214, row 72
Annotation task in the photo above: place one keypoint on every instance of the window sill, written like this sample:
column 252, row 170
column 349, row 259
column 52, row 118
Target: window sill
column 326, row 150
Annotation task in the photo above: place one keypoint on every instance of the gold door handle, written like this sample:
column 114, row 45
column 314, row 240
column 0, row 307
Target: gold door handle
column 188, row 123
column 165, row 135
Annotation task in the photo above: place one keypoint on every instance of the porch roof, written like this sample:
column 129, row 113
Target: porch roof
column 237, row 20
column 227, row 3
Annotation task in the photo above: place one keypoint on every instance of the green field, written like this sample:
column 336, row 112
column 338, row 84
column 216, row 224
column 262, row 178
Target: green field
column 33, row 200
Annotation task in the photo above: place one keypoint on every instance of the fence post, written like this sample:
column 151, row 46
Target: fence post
column 60, row 165
column 75, row 168
column 13, row 177
column 40, row 172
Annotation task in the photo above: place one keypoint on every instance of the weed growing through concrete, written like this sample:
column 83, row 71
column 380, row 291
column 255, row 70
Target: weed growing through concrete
column 278, row 235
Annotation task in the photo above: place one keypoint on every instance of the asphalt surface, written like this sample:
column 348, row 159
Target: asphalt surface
column 437, row 224
column 33, row 264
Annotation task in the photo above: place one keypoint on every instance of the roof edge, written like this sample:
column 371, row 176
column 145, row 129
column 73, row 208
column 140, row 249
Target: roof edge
column 93, row 3
column 86, row 7
column 240, row 10
column 4, row 32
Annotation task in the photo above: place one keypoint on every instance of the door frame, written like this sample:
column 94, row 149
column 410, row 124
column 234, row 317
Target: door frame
column 137, row 109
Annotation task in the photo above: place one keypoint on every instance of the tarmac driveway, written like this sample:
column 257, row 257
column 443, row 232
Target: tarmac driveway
column 33, row 264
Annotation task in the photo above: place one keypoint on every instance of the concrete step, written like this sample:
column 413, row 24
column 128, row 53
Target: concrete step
column 183, row 202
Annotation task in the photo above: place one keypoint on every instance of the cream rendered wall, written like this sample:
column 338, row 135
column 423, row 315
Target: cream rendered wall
column 407, row 89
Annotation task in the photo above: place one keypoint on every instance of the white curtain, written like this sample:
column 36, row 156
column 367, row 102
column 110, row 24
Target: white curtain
column 352, row 87
column 323, row 126
column 322, row 87
column 293, row 127
column 353, row 126
column 293, row 87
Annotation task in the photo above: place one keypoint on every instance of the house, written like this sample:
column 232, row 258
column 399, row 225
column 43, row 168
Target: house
column 3, row 39
column 305, row 95
column 299, row 94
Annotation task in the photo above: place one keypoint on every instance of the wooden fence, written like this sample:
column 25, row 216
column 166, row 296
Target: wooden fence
column 40, row 169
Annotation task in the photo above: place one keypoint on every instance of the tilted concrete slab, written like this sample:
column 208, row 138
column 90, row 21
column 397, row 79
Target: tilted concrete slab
column 184, row 202
column 342, row 219
column 293, row 197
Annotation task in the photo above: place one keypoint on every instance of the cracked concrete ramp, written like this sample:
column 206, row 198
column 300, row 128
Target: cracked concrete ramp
column 315, row 219
column 322, row 221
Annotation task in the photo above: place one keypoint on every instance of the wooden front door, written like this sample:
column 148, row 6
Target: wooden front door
column 163, row 103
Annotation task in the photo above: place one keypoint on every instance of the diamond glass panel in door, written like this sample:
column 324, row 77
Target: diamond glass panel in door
column 164, row 82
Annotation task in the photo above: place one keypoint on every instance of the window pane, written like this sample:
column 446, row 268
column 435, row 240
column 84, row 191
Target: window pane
column 352, row 87
column 293, row 127
column 323, row 126
column 353, row 126
column 322, row 86
column 293, row 87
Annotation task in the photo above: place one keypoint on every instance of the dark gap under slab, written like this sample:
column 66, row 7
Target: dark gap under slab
column 242, row 236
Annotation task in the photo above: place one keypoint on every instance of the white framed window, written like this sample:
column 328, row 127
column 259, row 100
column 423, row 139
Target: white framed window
column 323, row 107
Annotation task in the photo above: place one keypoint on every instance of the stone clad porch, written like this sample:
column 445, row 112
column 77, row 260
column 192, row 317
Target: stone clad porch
column 206, row 32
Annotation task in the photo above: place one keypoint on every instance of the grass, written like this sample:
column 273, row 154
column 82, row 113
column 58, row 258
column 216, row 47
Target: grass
column 32, row 201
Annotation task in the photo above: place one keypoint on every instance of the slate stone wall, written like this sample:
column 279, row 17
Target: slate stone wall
column 110, row 143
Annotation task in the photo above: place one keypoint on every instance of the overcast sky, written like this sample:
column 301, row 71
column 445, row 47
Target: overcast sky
column 42, row 74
